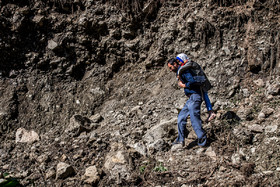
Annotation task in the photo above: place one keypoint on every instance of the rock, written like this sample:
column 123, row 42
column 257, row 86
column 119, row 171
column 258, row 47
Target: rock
column 83, row 20
column 259, row 83
column 52, row 44
column 160, row 131
column 97, row 118
column 273, row 89
column 3, row 181
column 268, row 172
column 7, row 166
column 77, row 125
column 114, row 159
column 91, row 175
column 247, row 169
column 271, row 128
column 117, row 165
column 64, row 170
column 245, row 113
column 243, row 135
column 267, row 111
column 158, row 145
column 50, row 173
column 236, row 159
column 211, row 153
column 43, row 158
column 140, row 148
column 246, row 92
column 24, row 136
column 177, row 147
column 261, row 115
column 256, row 128
column 39, row 20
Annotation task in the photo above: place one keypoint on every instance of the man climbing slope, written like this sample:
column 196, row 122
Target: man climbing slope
column 192, row 106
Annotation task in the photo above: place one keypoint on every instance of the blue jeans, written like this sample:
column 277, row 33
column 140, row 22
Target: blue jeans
column 192, row 108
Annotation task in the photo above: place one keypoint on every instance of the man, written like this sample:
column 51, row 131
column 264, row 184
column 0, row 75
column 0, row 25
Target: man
column 192, row 106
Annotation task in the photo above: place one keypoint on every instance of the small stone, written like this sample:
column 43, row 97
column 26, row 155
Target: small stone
column 222, row 169
column 268, row 172
column 39, row 20
column 269, row 97
column 177, row 147
column 256, row 128
column 91, row 175
column 200, row 150
column 158, row 145
column 261, row 115
column 268, row 111
column 2, row 182
column 43, row 158
column 52, row 45
column 271, row 128
column 140, row 148
column 273, row 89
column 96, row 118
column 246, row 92
column 209, row 152
column 24, row 136
column 50, row 174
column 63, row 157
column 259, row 82
column 236, row 159
column 64, row 170
column 77, row 125
column 5, row 166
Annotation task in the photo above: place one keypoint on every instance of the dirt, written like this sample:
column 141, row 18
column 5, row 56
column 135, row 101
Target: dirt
column 89, row 77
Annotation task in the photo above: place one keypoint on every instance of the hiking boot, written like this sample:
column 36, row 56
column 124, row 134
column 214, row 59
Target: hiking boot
column 211, row 116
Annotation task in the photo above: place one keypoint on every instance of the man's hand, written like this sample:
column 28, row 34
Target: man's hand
column 182, row 85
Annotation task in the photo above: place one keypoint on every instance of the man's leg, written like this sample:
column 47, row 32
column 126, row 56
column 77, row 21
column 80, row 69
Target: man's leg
column 182, row 121
column 194, row 111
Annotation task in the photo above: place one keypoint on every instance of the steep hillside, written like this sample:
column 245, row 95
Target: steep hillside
column 86, row 98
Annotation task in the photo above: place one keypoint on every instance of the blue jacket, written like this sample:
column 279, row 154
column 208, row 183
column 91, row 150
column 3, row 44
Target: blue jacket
column 188, row 80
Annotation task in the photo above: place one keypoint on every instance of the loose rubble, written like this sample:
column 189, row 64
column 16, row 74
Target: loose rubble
column 86, row 99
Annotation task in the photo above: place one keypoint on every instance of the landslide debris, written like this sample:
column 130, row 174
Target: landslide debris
column 86, row 98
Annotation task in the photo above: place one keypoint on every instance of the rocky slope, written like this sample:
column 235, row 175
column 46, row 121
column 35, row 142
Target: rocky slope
column 86, row 98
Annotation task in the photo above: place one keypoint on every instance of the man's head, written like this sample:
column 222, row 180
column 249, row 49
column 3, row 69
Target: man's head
column 173, row 64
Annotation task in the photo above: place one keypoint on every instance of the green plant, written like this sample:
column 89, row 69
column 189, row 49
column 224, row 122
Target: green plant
column 142, row 169
column 160, row 168
column 9, row 181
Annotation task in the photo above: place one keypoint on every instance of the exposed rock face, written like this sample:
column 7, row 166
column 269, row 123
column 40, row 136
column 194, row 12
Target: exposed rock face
column 89, row 79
